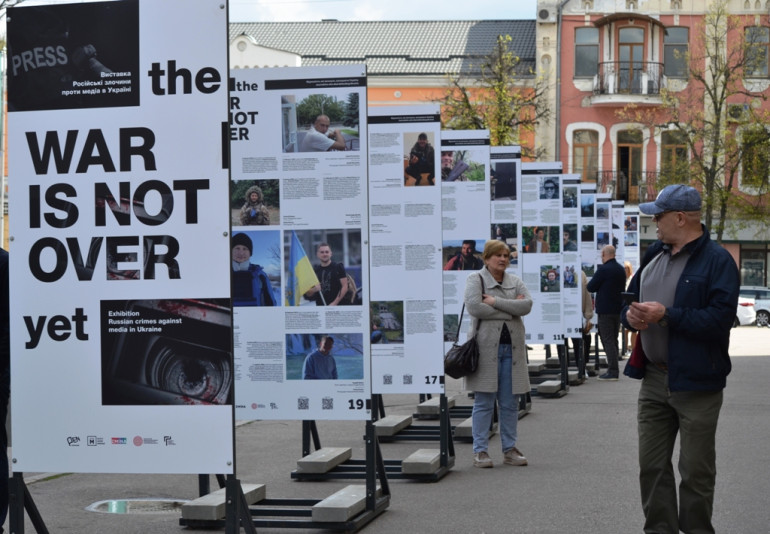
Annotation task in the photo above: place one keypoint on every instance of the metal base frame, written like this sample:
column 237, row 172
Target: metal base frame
column 19, row 501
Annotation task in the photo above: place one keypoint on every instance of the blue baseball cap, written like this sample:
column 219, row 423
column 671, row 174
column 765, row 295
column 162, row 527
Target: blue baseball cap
column 673, row 198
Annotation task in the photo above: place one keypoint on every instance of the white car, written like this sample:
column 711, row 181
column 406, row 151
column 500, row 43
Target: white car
column 745, row 313
column 760, row 298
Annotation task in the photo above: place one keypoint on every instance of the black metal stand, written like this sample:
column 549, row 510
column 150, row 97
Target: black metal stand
column 357, row 469
column 563, row 372
column 298, row 513
column 20, row 500
column 237, row 513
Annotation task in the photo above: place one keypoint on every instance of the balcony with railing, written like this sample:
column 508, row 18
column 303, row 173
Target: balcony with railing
column 624, row 82
column 633, row 187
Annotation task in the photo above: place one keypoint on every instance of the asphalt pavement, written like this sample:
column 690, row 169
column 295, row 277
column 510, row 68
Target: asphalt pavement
column 581, row 477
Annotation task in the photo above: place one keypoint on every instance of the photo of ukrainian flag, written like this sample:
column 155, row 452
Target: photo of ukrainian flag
column 301, row 277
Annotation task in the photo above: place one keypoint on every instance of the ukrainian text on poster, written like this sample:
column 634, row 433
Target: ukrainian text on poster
column 121, row 308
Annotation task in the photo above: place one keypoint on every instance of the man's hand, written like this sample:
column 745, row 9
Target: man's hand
column 313, row 290
column 641, row 314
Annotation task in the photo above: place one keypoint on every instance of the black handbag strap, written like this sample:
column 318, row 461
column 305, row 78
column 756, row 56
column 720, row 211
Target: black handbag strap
column 457, row 335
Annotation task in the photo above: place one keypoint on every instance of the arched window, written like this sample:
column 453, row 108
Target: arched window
column 755, row 158
column 585, row 154
column 673, row 156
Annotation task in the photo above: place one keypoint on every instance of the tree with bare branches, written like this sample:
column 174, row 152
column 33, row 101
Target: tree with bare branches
column 718, row 118
column 498, row 99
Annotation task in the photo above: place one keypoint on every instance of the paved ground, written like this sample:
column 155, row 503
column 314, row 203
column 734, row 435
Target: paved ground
column 581, row 477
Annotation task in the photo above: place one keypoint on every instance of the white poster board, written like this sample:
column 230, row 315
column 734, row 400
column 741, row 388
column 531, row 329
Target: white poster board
column 572, row 290
column 121, row 345
column 466, row 220
column 505, row 191
column 631, row 248
column 405, row 240
column 298, row 140
column 542, row 269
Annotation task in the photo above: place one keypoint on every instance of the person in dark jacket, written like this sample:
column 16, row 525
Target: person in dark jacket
column 608, row 283
column 687, row 290
column 250, row 284
column 422, row 160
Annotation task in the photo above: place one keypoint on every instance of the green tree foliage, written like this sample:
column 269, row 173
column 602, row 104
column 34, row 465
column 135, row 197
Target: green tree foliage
column 351, row 117
column 312, row 106
column 498, row 99
column 718, row 117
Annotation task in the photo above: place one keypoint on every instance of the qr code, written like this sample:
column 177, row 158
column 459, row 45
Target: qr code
column 327, row 403
column 387, row 379
column 408, row 380
column 303, row 403
column 540, row 337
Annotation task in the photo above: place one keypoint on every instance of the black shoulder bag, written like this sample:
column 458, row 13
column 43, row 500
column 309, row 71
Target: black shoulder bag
column 463, row 360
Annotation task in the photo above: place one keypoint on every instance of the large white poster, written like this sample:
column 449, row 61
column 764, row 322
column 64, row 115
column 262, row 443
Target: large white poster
column 588, row 256
column 405, row 239
column 466, row 219
column 631, row 249
column 618, row 239
column 570, row 250
column 299, row 247
column 542, row 269
column 121, row 345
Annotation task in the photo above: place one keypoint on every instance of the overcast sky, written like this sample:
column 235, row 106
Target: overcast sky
column 310, row 10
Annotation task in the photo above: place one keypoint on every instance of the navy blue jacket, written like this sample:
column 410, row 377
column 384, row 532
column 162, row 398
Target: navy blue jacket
column 701, row 317
column 608, row 283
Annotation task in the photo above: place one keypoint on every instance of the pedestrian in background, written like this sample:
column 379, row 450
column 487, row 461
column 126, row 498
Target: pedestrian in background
column 608, row 283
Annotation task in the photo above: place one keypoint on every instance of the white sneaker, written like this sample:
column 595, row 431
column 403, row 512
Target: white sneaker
column 482, row 460
column 514, row 457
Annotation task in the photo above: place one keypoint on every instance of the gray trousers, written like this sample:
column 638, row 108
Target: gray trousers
column 662, row 415
column 609, row 326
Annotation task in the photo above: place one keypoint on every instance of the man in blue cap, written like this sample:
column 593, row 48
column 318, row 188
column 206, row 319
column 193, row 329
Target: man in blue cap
column 687, row 290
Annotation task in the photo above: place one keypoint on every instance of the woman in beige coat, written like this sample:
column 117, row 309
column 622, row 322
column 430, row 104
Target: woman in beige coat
column 502, row 374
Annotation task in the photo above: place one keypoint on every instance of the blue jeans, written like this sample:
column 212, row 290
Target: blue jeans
column 507, row 403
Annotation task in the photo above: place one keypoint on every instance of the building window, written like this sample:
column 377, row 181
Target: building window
column 586, row 52
column 631, row 55
column 673, row 156
column 629, row 164
column 754, row 264
column 585, row 154
column 757, row 41
column 675, row 47
column 755, row 158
